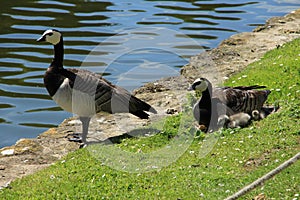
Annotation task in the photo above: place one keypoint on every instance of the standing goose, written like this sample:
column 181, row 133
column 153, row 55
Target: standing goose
column 86, row 93
column 225, row 100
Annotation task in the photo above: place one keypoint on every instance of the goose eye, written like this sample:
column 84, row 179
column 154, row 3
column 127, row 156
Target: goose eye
column 50, row 34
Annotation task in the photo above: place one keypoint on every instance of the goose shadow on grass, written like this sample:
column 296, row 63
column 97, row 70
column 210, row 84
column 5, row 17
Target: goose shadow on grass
column 142, row 132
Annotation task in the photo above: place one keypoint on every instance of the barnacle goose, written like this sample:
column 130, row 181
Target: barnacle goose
column 225, row 101
column 86, row 93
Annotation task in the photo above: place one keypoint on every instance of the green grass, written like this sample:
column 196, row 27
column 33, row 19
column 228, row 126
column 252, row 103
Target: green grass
column 239, row 156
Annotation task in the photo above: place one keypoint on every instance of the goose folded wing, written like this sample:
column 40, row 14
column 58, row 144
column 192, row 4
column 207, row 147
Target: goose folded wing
column 89, row 90
column 108, row 97
column 243, row 99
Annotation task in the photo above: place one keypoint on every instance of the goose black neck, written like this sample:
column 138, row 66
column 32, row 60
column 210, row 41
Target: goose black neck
column 208, row 91
column 58, row 54
column 206, row 97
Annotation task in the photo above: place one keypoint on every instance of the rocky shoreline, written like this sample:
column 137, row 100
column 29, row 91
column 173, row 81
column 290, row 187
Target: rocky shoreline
column 231, row 56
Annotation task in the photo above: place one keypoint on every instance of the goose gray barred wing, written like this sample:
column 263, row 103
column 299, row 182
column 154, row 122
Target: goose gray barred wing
column 107, row 97
column 243, row 99
column 84, row 81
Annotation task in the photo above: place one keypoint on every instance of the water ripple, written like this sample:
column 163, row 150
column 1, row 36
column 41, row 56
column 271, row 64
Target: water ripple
column 41, row 10
column 57, row 3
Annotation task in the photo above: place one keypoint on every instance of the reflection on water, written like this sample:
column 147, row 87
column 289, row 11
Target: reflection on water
column 132, row 50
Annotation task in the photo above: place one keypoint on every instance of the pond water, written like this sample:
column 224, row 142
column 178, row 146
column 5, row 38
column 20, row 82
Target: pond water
column 130, row 41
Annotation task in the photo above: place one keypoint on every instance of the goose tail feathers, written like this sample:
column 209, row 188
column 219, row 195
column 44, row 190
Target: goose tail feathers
column 138, row 107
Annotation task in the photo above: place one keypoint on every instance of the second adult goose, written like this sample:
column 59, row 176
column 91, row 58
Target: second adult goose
column 86, row 93
column 225, row 100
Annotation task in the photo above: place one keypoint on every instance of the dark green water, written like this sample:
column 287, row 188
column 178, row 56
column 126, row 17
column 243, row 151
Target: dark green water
column 132, row 42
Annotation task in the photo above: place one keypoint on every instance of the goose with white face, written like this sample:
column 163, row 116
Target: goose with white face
column 200, row 84
column 86, row 93
column 52, row 36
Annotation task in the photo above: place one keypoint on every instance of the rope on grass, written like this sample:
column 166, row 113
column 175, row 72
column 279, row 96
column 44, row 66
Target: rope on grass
column 265, row 177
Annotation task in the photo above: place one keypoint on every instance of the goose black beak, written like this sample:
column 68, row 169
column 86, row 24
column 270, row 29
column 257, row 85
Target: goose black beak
column 190, row 88
column 41, row 39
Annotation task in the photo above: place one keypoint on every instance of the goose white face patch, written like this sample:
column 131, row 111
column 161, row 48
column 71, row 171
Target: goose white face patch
column 200, row 85
column 52, row 36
